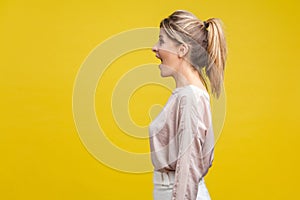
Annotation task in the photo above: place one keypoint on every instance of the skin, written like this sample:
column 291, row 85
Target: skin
column 174, row 62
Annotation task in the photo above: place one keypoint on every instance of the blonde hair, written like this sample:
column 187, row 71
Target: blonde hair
column 206, row 41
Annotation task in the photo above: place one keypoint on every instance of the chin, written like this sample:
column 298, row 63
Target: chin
column 163, row 75
column 164, row 71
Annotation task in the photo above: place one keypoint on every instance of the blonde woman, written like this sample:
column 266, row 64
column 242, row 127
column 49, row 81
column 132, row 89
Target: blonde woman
column 193, row 52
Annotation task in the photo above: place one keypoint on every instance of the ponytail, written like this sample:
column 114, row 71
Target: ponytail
column 217, row 52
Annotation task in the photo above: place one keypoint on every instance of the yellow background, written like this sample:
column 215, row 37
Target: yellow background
column 43, row 44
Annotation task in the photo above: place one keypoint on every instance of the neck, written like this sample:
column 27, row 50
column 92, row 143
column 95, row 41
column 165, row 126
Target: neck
column 188, row 75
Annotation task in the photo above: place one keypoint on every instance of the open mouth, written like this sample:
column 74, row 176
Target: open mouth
column 158, row 57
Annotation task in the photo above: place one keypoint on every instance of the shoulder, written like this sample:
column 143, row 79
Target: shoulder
column 184, row 93
column 191, row 95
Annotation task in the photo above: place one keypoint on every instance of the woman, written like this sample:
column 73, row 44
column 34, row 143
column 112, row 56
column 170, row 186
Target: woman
column 193, row 52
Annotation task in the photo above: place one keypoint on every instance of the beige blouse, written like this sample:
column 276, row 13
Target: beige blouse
column 182, row 139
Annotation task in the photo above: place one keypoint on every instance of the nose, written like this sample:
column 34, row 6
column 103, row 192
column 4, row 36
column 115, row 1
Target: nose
column 154, row 48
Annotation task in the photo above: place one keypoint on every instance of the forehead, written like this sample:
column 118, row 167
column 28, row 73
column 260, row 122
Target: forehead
column 162, row 33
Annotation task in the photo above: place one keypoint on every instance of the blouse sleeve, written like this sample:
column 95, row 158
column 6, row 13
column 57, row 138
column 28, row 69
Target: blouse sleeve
column 192, row 164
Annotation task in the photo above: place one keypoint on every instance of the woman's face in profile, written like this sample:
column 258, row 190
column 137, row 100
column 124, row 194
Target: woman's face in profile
column 166, row 50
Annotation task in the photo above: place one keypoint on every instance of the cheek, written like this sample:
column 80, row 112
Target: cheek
column 171, row 60
column 168, row 55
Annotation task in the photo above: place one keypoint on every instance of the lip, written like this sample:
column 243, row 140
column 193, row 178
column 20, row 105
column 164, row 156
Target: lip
column 157, row 56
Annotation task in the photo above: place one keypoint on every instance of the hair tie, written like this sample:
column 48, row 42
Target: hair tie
column 206, row 24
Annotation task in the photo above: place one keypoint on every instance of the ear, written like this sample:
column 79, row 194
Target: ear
column 182, row 50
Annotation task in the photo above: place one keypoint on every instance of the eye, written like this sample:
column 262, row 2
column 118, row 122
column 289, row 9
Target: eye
column 161, row 41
